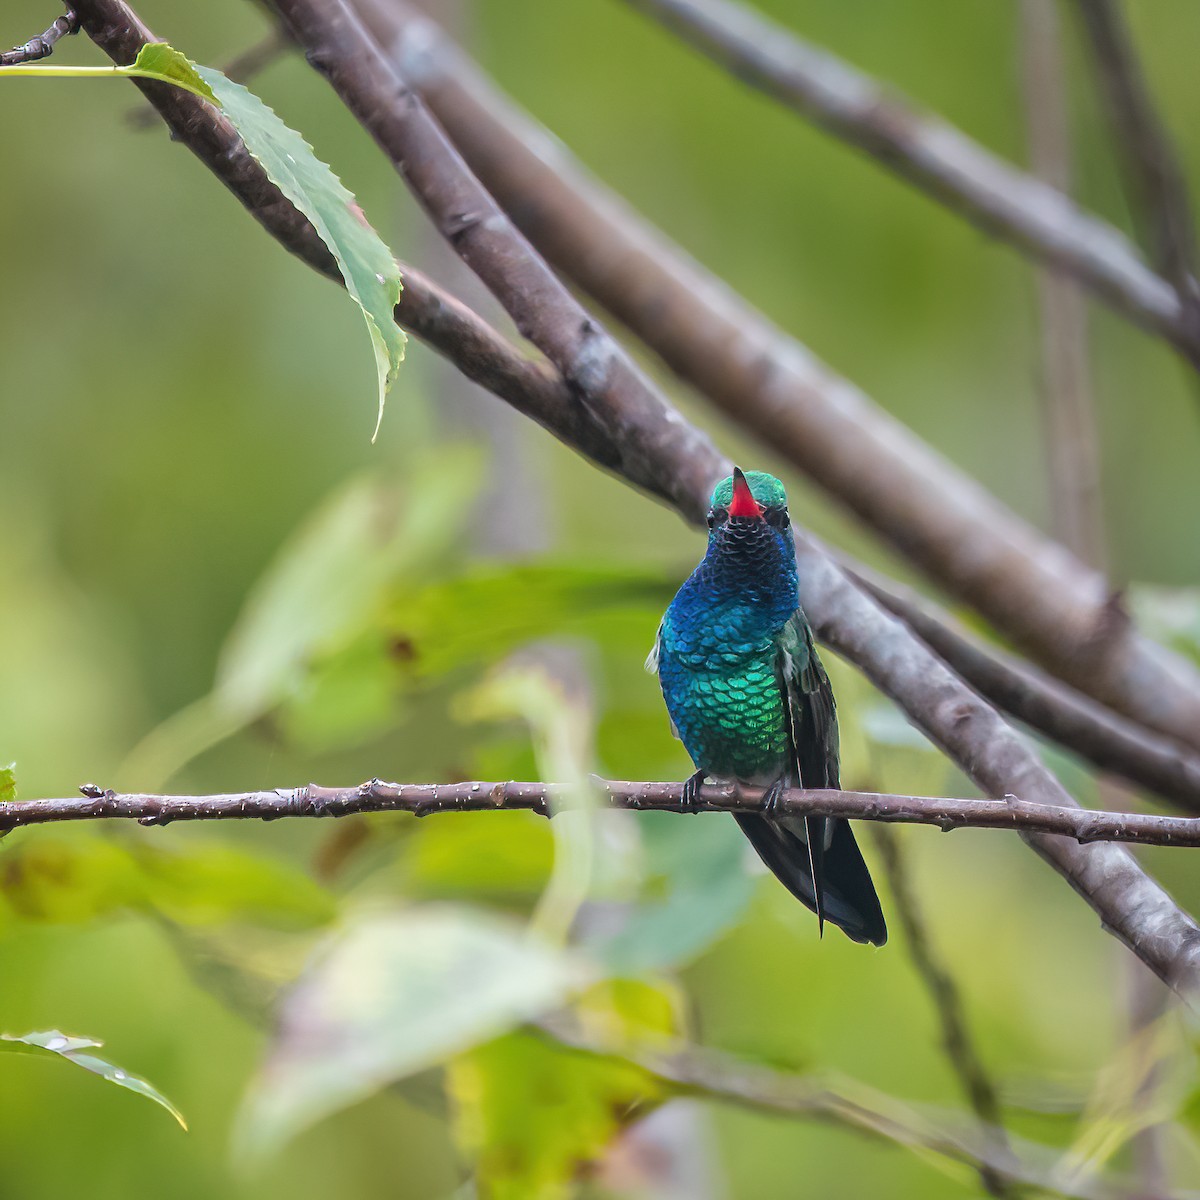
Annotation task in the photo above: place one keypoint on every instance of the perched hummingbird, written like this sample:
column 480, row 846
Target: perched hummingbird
column 750, row 701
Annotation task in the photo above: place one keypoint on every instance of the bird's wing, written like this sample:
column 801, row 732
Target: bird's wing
column 816, row 859
column 812, row 722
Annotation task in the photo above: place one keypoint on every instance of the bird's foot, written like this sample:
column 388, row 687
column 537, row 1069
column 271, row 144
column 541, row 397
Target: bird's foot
column 691, row 790
column 771, row 797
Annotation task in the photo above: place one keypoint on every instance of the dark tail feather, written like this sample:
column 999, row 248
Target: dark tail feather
column 848, row 898
column 814, row 835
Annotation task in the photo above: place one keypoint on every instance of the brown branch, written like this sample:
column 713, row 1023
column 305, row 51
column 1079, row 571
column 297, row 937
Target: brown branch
column 1068, row 717
column 923, row 506
column 947, row 1001
column 606, row 382
column 1132, row 906
column 424, row 799
column 1153, row 172
column 931, row 154
column 43, row 45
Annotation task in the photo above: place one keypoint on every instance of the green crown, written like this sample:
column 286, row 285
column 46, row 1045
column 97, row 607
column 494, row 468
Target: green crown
column 766, row 489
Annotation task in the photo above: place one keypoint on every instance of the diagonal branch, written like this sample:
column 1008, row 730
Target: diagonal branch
column 1153, row 172
column 682, row 466
column 708, row 1074
column 924, row 507
column 931, row 154
column 1084, row 825
column 1106, row 740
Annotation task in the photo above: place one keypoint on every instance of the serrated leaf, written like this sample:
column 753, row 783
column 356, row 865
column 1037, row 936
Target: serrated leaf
column 367, row 266
column 8, row 783
column 60, row 1045
column 391, row 995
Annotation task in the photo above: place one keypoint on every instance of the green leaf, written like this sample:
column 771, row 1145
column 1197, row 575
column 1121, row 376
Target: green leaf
column 698, row 870
column 333, row 573
column 391, row 995
column 368, row 268
column 534, row 1115
column 77, row 877
column 8, row 783
column 486, row 613
column 1172, row 615
column 60, row 1045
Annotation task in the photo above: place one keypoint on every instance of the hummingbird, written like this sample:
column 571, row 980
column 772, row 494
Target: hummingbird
column 751, row 702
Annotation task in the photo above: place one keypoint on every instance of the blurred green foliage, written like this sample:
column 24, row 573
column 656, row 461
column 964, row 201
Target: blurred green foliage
column 211, row 579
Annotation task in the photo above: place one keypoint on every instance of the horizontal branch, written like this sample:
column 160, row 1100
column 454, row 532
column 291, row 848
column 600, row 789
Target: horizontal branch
column 425, row 799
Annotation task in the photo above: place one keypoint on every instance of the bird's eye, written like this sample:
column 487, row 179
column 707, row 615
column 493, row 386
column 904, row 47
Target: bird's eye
column 778, row 517
column 716, row 516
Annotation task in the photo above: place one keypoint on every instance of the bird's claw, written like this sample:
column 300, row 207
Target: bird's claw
column 691, row 790
column 771, row 797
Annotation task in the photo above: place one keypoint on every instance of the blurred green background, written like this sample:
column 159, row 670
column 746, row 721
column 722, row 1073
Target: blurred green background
column 212, row 579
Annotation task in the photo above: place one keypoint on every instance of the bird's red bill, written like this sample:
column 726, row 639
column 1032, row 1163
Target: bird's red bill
column 743, row 503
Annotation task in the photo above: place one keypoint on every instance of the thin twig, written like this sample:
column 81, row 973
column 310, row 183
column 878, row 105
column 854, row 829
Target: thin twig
column 1153, row 171
column 708, row 1074
column 923, row 506
column 681, row 467
column 956, row 1037
column 1073, row 456
column 424, row 799
column 930, row 153
column 43, row 45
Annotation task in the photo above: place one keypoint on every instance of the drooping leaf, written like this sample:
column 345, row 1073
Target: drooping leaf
column 8, row 783
column 367, row 266
column 533, row 1114
column 391, row 995
column 52, row 1042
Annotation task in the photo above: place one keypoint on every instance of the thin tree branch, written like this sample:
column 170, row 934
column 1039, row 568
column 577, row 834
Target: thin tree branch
column 712, row 1075
column 930, row 153
column 947, row 1001
column 1132, row 906
column 43, row 45
column 1065, row 716
column 1084, row 825
column 925, row 508
column 1073, row 457
column 1153, row 172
